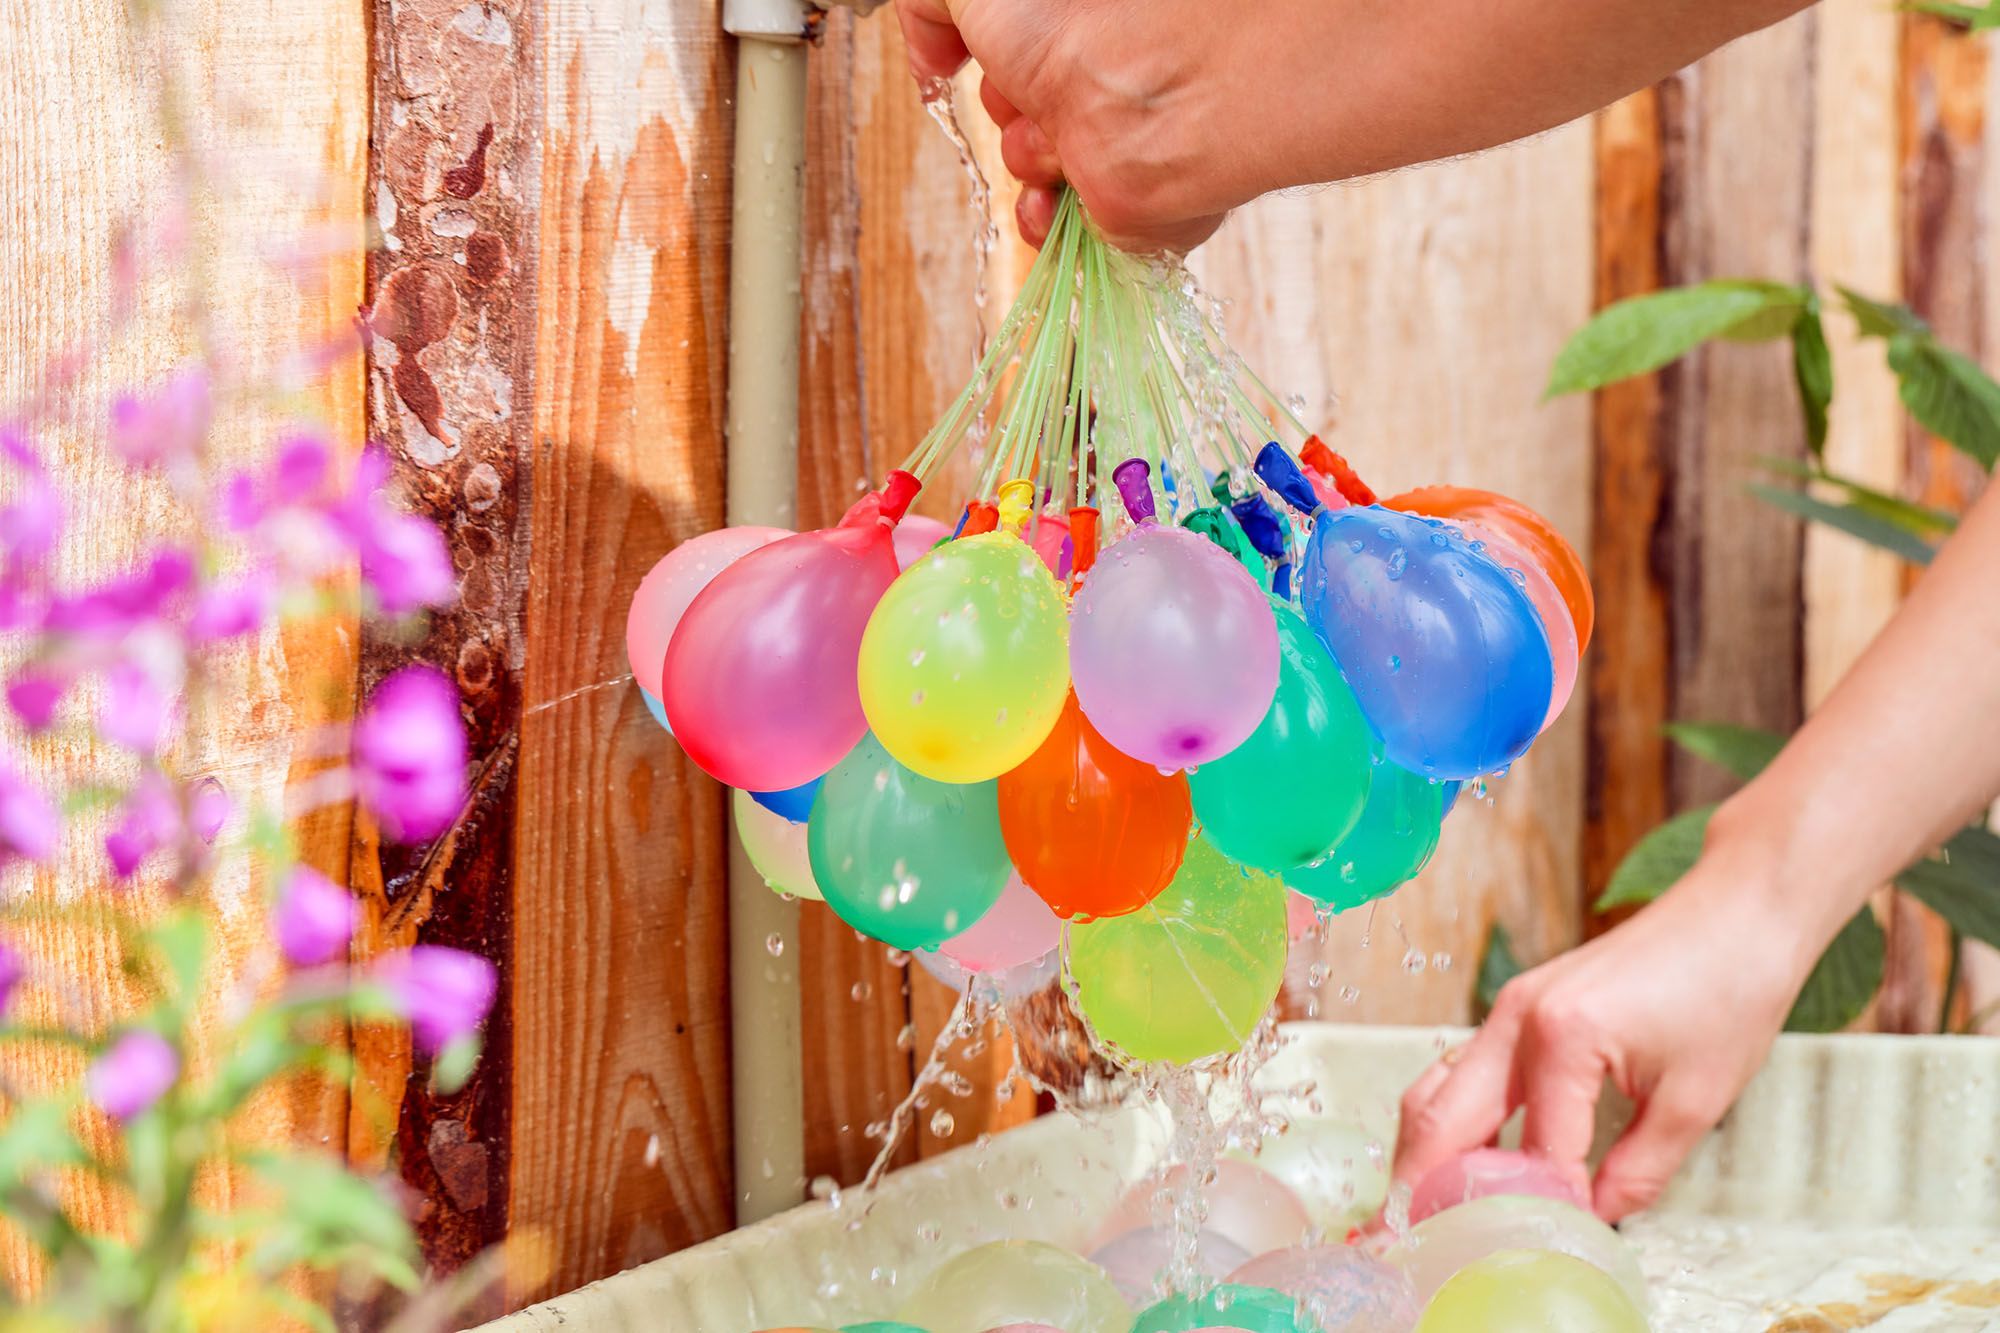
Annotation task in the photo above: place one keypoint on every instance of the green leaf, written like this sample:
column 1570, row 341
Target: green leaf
column 1744, row 751
column 1659, row 858
column 1949, row 395
column 1850, row 519
column 454, row 1064
column 182, row 940
column 1846, row 977
column 1812, row 371
column 1924, row 520
column 35, row 1136
column 330, row 1212
column 1644, row 333
column 1882, row 319
column 1497, row 967
column 1973, row 18
column 1961, row 884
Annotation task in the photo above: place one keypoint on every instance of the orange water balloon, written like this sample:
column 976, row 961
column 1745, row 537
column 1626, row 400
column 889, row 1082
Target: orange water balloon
column 1093, row 831
column 1534, row 534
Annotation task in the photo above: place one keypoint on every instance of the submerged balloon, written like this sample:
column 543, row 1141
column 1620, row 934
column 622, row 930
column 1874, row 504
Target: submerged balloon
column 1016, row 1282
column 1247, row 1206
column 1093, row 831
column 1445, row 653
column 663, row 595
column 900, row 857
column 1136, row 1260
column 1392, row 841
column 965, row 663
column 776, row 847
column 1564, row 652
column 1230, row 1305
column 1336, row 1169
column 1297, row 785
column 1017, row 929
column 1441, row 1245
column 1337, row 1287
column 760, row 682
column 1531, row 1291
column 1528, row 529
column 1191, row 973
column 1173, row 648
column 1484, row 1172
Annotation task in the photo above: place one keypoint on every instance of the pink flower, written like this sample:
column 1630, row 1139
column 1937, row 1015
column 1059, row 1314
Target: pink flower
column 29, row 526
column 135, row 708
column 33, row 695
column 167, row 424
column 409, row 754
column 208, row 808
column 404, row 559
column 298, row 473
column 444, row 993
column 29, row 824
column 114, row 608
column 230, row 610
column 148, row 819
column 315, row 918
column 132, row 1074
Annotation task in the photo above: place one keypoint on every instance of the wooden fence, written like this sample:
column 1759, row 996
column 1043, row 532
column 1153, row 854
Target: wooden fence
column 545, row 185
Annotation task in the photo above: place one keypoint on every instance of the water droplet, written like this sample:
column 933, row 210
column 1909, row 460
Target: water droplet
column 860, row 991
column 1395, row 663
column 917, row 699
column 917, row 657
column 774, row 944
column 1350, row 994
column 1399, row 560
column 942, row 1123
column 1413, row 962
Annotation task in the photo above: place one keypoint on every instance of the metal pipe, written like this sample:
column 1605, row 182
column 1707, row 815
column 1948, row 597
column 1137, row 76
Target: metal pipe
column 767, row 1108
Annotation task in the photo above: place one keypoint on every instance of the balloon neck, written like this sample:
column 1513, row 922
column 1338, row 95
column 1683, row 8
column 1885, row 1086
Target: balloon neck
column 1280, row 471
column 1335, row 469
column 1264, row 526
column 897, row 492
column 979, row 517
column 1017, row 502
column 1083, row 541
column 1134, row 480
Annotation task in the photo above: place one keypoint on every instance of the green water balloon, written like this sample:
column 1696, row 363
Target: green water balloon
column 1295, row 789
column 1192, row 972
column 1389, row 844
column 1220, row 527
column 1232, row 1305
column 901, row 857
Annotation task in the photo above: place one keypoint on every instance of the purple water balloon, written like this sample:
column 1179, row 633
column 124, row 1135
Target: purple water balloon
column 1136, row 1260
column 1341, row 1288
column 1173, row 650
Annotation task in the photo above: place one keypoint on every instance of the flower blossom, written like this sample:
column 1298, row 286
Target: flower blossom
column 166, row 425
column 315, row 918
column 29, row 824
column 133, row 1073
column 409, row 754
column 444, row 993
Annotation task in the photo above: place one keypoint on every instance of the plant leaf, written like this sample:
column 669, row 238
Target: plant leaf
column 1949, row 395
column 1812, row 371
column 1883, row 319
column 1973, row 18
column 1657, row 860
column 1743, row 751
column 1924, row 520
column 1843, row 981
column 1850, row 519
column 1644, row 333
column 1961, row 884
column 1497, row 967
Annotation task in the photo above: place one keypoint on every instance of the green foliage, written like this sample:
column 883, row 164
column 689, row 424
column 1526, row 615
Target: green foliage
column 1812, row 371
column 1657, row 860
column 1843, row 981
column 1497, row 967
column 1852, row 519
column 1646, row 332
column 1742, row 751
column 1973, row 18
column 1961, row 884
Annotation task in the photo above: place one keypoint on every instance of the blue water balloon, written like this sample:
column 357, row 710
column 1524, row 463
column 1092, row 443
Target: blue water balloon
column 1441, row 645
column 1451, row 790
column 793, row 803
column 656, row 708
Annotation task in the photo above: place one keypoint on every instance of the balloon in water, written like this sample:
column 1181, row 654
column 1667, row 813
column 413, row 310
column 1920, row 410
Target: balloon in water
column 776, row 847
column 1439, row 1246
column 793, row 803
column 1445, row 653
column 1296, row 786
column 1093, row 831
column 1488, row 1171
column 1191, row 973
column 1392, row 841
column 1527, row 529
column 1531, row 1291
column 760, row 678
column 907, row 860
column 1247, row 1206
column 1231, row 1305
column 881, row 1326
column 915, row 536
column 1496, row 546
column 1017, row 929
column 1016, row 1282
column 1137, row 1260
column 1338, row 1170
column 1173, row 648
column 1340, row 1288
column 663, row 595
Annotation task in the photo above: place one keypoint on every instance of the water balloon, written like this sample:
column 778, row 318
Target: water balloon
column 1017, row 929
column 1337, row 1169
column 1441, row 1245
column 1247, row 1206
column 1393, row 840
column 664, row 593
column 1488, row 1171
column 1564, row 651
column 793, row 803
column 1015, row 1282
column 776, row 847
column 1138, row 1259
column 915, row 536
column 1528, row 529
column 657, row 709
column 1337, row 1287
column 1230, row 1305
column 1531, row 1291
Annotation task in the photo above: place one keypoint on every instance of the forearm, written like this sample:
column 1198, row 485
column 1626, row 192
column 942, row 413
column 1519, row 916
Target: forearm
column 1903, row 753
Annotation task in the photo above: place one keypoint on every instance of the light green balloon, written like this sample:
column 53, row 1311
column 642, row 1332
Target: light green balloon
column 1291, row 792
column 1531, row 1291
column 900, row 857
column 1389, row 844
column 1191, row 973
column 776, row 847
column 1017, row 1282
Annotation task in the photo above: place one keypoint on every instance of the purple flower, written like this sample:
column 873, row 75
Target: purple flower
column 148, row 819
column 208, row 808
column 29, row 526
column 409, row 754
column 229, row 610
column 168, row 424
column 33, row 695
column 13, row 971
column 114, row 608
column 29, row 824
column 132, row 1074
column 315, row 918
column 404, row 559
column 135, row 708
column 298, row 473
column 444, row 993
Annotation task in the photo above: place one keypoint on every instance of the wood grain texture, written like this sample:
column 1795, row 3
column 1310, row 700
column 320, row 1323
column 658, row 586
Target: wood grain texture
column 276, row 99
column 1432, row 303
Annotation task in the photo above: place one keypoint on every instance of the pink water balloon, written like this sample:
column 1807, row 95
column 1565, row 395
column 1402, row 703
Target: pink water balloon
column 1488, row 1171
column 1017, row 929
column 1341, row 1288
column 1138, row 1260
column 915, row 536
column 663, row 595
column 759, row 682
column 1173, row 649
column 1247, row 1206
column 1049, row 535
column 1548, row 602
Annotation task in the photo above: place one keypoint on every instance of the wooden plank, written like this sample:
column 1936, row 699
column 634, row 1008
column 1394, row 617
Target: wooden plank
column 1435, row 301
column 275, row 98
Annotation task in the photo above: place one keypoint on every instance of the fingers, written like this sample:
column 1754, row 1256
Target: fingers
column 1444, row 1116
column 1029, row 155
column 1640, row 1164
column 936, row 49
column 1561, row 1082
column 1003, row 112
column 1035, row 213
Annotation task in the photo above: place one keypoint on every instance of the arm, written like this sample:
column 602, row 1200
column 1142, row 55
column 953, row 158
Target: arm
column 1165, row 114
column 1679, row 1005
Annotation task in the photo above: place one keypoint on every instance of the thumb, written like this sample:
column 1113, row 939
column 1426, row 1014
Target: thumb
column 931, row 36
column 1636, row 1170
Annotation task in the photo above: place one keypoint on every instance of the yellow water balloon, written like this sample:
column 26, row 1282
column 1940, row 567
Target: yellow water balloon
column 776, row 847
column 1531, row 1291
column 1017, row 1282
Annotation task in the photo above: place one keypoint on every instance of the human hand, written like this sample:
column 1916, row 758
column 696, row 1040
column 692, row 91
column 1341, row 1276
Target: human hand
column 1676, row 1007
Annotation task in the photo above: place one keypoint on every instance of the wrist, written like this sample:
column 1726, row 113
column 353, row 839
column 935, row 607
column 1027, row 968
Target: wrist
column 1798, row 899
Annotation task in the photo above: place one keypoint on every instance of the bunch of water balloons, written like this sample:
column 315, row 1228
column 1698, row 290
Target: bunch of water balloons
column 1160, row 670
column 1496, row 1242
